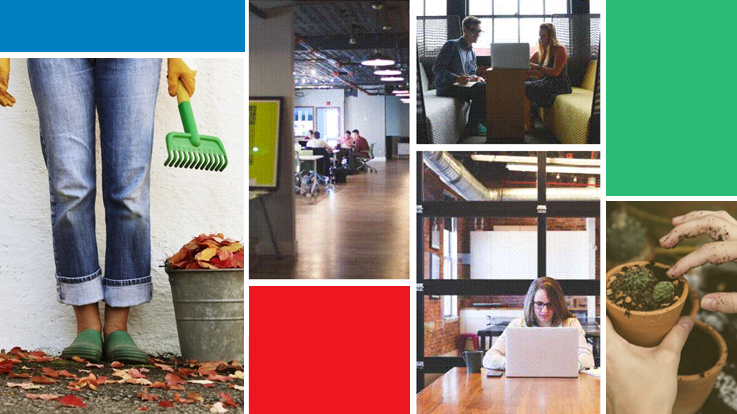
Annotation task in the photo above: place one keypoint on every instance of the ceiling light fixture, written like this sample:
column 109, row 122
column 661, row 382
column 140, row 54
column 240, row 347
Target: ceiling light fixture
column 387, row 72
column 392, row 79
column 400, row 92
column 378, row 5
column 378, row 59
column 553, row 169
column 533, row 160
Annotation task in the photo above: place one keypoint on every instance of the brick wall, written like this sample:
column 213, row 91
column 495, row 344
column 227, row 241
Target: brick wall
column 441, row 336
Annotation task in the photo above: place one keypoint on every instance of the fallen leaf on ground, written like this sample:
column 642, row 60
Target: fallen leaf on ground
column 237, row 375
column 11, row 374
column 147, row 397
column 195, row 396
column 65, row 373
column 166, row 404
column 89, row 381
column 184, row 373
column 164, row 367
column 45, row 397
column 218, row 408
column 205, row 383
column 25, row 386
column 49, row 372
column 238, row 387
column 144, row 408
column 90, row 365
column 72, row 401
column 158, row 384
column 227, row 399
column 78, row 359
column 172, row 379
column 39, row 379
column 116, row 364
column 136, row 373
column 138, row 381
column 221, row 378
column 182, row 400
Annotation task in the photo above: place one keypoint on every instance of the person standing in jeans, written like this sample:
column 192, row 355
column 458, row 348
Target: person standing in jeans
column 68, row 93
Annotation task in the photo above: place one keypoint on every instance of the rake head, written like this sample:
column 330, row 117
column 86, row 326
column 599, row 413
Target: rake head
column 209, row 155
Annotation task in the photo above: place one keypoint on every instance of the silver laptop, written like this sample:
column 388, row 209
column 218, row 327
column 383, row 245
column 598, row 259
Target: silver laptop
column 510, row 55
column 542, row 352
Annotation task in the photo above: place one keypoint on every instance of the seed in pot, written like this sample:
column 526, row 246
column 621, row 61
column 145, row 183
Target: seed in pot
column 608, row 291
column 627, row 299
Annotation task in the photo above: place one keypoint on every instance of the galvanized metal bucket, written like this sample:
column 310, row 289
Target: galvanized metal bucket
column 208, row 307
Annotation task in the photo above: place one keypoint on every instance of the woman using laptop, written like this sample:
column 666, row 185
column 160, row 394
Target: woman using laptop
column 545, row 306
column 549, row 65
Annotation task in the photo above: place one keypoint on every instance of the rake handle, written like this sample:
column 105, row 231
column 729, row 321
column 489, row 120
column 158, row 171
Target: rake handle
column 185, row 112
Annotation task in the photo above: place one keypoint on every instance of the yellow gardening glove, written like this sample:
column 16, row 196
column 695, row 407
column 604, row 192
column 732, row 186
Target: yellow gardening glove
column 6, row 99
column 179, row 70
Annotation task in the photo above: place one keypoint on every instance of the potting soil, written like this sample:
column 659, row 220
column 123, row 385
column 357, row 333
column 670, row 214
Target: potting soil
column 699, row 354
column 642, row 300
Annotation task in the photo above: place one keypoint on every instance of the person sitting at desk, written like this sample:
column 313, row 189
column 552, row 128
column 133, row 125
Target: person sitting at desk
column 318, row 142
column 545, row 306
column 346, row 141
column 455, row 67
column 310, row 135
column 360, row 150
column 548, row 64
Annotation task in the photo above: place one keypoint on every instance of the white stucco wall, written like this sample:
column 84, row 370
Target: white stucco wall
column 184, row 203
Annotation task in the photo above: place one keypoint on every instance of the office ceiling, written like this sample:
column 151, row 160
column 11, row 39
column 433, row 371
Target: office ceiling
column 332, row 38
column 496, row 174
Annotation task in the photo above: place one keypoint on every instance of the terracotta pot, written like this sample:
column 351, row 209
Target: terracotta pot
column 693, row 390
column 644, row 328
column 694, row 300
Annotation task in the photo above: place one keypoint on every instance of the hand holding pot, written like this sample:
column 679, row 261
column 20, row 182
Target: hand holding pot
column 720, row 226
column 641, row 379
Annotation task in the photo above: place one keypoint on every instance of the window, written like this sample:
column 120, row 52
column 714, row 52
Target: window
column 512, row 21
column 303, row 120
column 434, row 7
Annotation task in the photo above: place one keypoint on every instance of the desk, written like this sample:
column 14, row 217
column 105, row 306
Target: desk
column 314, row 180
column 458, row 392
column 589, row 326
column 505, row 104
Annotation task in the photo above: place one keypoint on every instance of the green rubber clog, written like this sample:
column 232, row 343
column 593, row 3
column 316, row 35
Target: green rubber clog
column 87, row 345
column 120, row 347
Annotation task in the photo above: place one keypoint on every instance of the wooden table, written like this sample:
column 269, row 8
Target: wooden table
column 505, row 104
column 458, row 392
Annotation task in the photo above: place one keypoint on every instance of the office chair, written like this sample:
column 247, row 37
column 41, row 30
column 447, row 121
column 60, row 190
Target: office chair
column 301, row 171
column 364, row 162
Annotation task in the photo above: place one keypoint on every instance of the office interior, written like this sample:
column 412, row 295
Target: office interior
column 490, row 223
column 337, row 213
column 572, row 119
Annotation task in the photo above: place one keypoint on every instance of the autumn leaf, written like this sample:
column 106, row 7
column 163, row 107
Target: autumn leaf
column 116, row 364
column 193, row 265
column 67, row 374
column 72, row 401
column 195, row 396
column 11, row 374
column 158, row 384
column 6, row 366
column 166, row 404
column 206, row 254
column 218, row 408
column 238, row 375
column 24, row 386
column 232, row 247
column 144, row 408
column 136, row 373
column 78, row 359
column 227, row 399
column 205, row 383
column 221, row 378
column 42, row 380
column 147, row 397
column 206, row 265
column 164, row 367
column 45, row 397
column 184, row 373
column 91, row 365
column 173, row 379
column 50, row 372
column 181, row 400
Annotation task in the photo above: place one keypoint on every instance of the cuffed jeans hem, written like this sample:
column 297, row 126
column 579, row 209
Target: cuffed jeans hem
column 88, row 291
column 131, row 295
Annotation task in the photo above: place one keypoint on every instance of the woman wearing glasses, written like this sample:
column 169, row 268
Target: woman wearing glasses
column 545, row 306
column 549, row 65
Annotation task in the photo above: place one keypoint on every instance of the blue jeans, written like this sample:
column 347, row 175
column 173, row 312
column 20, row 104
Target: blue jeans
column 67, row 92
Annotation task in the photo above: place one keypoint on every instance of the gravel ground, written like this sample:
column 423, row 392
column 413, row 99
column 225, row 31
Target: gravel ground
column 112, row 398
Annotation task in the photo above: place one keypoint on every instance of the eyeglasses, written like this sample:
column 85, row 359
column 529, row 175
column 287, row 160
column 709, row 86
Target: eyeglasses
column 475, row 31
column 541, row 305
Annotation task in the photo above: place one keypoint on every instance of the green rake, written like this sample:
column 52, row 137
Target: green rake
column 189, row 149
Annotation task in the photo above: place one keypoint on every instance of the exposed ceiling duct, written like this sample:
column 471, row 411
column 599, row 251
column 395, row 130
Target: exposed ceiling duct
column 458, row 178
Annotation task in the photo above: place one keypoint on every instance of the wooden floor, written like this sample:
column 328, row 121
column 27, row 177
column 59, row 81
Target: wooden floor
column 361, row 231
